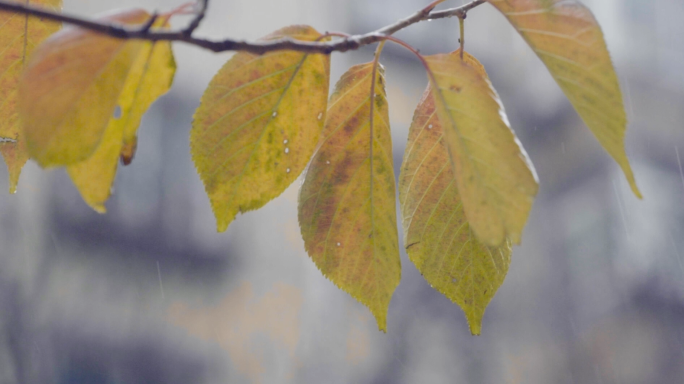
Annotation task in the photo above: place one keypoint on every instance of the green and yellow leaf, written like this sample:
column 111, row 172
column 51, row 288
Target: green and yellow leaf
column 437, row 235
column 19, row 35
column 71, row 88
column 495, row 179
column 567, row 38
column 149, row 78
column 347, row 202
column 258, row 124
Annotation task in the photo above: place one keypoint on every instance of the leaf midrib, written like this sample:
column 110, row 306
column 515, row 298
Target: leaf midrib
column 263, row 132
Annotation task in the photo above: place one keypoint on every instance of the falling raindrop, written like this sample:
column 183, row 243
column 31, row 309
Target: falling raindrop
column 285, row 141
column 679, row 162
column 287, row 150
column 338, row 244
column 275, row 113
column 327, row 161
column 287, row 170
column 430, row 126
column 320, row 115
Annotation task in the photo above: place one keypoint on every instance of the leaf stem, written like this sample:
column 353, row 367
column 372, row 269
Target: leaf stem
column 203, row 4
column 414, row 51
column 461, row 24
column 376, row 62
column 259, row 47
column 180, row 10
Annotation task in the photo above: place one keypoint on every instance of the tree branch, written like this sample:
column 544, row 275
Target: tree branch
column 258, row 47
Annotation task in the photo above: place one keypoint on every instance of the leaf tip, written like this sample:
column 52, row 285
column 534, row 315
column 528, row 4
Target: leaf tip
column 222, row 214
column 634, row 187
column 475, row 321
column 623, row 162
column 14, row 179
column 128, row 151
column 99, row 208
column 380, row 315
column 15, row 160
column 221, row 225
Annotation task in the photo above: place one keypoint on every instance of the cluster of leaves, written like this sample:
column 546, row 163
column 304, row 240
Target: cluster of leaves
column 466, row 185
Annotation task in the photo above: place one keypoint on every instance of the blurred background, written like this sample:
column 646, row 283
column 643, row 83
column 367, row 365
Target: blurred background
column 150, row 293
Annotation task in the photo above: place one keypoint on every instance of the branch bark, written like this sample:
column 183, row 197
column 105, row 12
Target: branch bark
column 258, row 47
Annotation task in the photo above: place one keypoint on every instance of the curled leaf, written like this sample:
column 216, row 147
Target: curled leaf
column 258, row 124
column 495, row 179
column 567, row 38
column 149, row 78
column 71, row 88
column 19, row 35
column 347, row 202
column 437, row 235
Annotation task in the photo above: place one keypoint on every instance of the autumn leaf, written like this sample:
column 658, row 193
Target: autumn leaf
column 347, row 202
column 258, row 124
column 149, row 78
column 71, row 88
column 567, row 38
column 437, row 235
column 19, row 35
column 495, row 179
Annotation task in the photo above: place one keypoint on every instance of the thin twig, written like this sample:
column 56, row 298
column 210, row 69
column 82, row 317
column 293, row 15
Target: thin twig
column 461, row 39
column 148, row 24
column 198, row 18
column 258, row 47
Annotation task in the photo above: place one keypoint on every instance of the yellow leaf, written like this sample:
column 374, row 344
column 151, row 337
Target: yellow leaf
column 71, row 88
column 258, row 124
column 347, row 202
column 495, row 179
column 150, row 77
column 567, row 38
column 19, row 35
column 437, row 235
